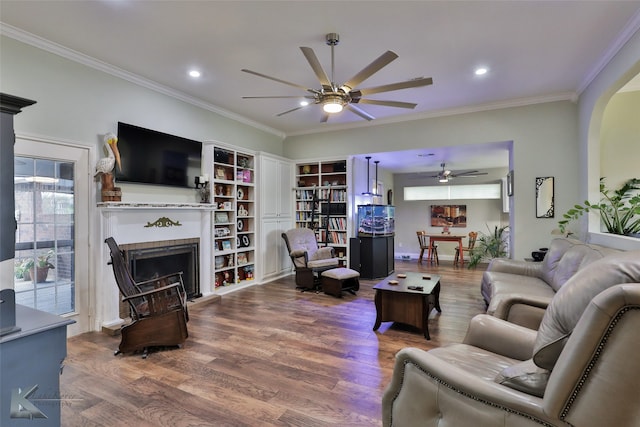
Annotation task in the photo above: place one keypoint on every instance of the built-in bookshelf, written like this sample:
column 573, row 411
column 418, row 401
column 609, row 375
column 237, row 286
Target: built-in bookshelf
column 233, row 195
column 321, row 202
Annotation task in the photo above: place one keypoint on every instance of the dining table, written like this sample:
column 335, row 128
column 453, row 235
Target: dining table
column 444, row 237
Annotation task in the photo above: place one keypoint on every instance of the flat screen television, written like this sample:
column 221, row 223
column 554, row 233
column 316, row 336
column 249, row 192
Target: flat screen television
column 151, row 157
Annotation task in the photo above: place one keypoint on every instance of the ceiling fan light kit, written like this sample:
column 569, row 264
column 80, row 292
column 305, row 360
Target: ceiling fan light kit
column 335, row 98
column 333, row 104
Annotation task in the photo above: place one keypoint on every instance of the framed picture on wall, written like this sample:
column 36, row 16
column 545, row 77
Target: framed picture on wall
column 448, row 215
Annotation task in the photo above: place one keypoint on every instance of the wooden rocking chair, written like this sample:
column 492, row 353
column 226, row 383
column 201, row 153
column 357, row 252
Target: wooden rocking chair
column 158, row 308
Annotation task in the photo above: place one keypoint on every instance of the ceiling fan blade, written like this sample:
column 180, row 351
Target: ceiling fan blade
column 359, row 112
column 325, row 117
column 278, row 80
column 468, row 174
column 423, row 81
column 289, row 111
column 276, row 97
column 384, row 103
column 382, row 61
column 316, row 67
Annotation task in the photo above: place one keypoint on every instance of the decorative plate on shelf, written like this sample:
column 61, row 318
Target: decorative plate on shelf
column 245, row 241
column 240, row 193
column 240, row 225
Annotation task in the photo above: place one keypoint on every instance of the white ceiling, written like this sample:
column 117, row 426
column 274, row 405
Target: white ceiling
column 536, row 51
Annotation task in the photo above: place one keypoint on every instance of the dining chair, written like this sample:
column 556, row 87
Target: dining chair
column 424, row 241
column 473, row 235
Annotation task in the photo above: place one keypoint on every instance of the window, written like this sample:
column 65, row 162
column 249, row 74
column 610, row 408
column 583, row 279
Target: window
column 453, row 192
column 45, row 211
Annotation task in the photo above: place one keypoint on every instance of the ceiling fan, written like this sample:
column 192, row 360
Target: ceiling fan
column 445, row 175
column 334, row 98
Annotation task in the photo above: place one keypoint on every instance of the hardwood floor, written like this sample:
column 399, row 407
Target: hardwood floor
column 265, row 355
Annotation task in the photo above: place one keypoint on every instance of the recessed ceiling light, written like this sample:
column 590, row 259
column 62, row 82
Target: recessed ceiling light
column 481, row 71
column 195, row 73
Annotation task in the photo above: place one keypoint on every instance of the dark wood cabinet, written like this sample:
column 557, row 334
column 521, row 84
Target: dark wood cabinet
column 372, row 256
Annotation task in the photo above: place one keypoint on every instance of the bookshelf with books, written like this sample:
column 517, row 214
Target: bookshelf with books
column 321, row 202
column 234, row 222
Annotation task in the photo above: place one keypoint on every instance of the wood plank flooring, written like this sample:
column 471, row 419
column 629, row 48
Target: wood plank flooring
column 267, row 355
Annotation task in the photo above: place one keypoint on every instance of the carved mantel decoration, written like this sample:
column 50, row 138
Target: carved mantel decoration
column 163, row 222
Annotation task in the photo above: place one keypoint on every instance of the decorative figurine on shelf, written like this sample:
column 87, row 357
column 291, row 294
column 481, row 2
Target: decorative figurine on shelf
column 106, row 165
column 445, row 230
column 230, row 260
column 226, row 278
column 202, row 187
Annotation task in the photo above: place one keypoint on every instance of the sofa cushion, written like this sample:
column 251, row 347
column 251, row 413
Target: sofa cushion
column 504, row 285
column 569, row 303
column 526, row 377
column 476, row 361
column 573, row 260
column 556, row 251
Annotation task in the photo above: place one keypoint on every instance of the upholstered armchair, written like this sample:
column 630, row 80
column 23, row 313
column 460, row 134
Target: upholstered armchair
column 308, row 259
column 579, row 369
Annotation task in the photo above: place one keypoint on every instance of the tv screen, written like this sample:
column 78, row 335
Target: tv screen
column 151, row 157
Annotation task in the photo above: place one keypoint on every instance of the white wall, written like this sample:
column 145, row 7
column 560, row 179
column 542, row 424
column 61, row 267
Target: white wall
column 545, row 143
column 620, row 139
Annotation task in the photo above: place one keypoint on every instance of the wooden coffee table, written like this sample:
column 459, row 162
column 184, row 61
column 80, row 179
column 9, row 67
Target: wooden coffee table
column 399, row 303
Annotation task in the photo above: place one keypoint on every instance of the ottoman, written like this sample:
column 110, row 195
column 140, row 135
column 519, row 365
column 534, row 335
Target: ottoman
column 336, row 280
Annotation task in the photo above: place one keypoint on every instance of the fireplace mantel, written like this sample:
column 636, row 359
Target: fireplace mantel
column 115, row 206
column 135, row 222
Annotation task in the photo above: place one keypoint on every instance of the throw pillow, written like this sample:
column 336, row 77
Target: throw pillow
column 526, row 377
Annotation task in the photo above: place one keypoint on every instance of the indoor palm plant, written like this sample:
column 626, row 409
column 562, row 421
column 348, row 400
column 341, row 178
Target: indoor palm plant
column 489, row 246
column 619, row 209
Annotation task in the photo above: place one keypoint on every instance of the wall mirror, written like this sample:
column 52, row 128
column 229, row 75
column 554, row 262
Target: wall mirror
column 544, row 197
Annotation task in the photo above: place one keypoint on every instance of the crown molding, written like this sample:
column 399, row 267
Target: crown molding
column 518, row 102
column 72, row 55
column 632, row 27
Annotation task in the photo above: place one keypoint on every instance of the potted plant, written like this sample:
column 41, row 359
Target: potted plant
column 488, row 246
column 619, row 209
column 38, row 269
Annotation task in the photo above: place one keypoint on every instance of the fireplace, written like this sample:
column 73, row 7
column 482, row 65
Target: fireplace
column 151, row 259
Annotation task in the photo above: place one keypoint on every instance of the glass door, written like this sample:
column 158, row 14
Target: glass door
column 52, row 227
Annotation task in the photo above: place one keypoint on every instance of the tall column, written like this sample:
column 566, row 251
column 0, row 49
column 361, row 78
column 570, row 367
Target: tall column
column 9, row 106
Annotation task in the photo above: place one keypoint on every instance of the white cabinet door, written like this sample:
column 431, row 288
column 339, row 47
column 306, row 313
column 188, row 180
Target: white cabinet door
column 275, row 187
column 285, row 178
column 275, row 258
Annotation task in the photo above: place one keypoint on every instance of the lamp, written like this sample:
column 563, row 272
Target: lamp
column 333, row 104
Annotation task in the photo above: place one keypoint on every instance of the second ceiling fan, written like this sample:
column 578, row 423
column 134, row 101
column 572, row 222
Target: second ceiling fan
column 334, row 98
column 445, row 175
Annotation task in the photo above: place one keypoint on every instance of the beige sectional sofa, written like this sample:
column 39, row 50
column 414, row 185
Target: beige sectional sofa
column 520, row 291
column 580, row 368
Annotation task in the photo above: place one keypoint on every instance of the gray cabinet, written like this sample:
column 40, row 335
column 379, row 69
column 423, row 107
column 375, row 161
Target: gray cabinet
column 32, row 358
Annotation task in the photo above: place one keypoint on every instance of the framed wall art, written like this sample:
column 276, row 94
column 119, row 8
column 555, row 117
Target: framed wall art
column 448, row 215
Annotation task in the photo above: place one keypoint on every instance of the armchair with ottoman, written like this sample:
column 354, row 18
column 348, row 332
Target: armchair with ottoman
column 520, row 291
column 308, row 259
column 580, row 368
